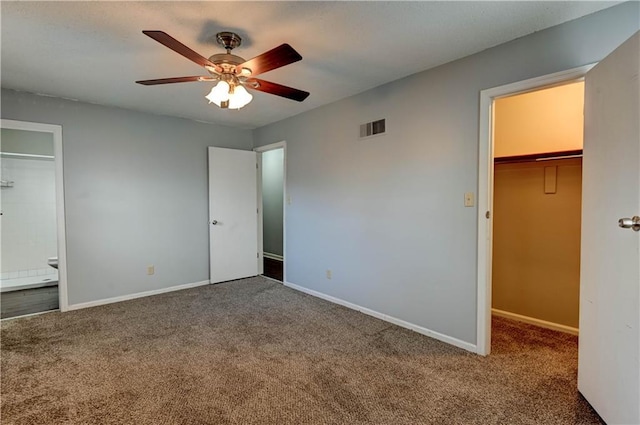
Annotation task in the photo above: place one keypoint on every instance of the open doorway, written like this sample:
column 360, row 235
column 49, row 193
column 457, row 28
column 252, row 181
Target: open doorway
column 32, row 230
column 486, row 178
column 537, row 191
column 271, row 160
column 609, row 262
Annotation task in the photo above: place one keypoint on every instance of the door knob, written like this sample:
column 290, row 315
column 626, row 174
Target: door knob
column 214, row 222
column 630, row 223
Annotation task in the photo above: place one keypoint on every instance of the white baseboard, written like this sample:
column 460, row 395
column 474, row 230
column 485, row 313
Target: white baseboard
column 534, row 321
column 273, row 256
column 419, row 329
column 136, row 295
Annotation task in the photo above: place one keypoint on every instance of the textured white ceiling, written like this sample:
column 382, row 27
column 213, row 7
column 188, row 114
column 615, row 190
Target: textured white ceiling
column 94, row 51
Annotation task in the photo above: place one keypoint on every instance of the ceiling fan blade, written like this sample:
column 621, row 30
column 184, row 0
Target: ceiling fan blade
column 170, row 42
column 175, row 80
column 274, row 58
column 277, row 89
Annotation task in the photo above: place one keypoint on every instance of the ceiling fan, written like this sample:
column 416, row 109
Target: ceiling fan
column 233, row 74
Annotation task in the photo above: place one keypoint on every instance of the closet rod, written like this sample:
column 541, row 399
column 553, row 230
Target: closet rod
column 551, row 158
column 539, row 157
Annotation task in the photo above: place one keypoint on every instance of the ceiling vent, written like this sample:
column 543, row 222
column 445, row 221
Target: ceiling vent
column 373, row 128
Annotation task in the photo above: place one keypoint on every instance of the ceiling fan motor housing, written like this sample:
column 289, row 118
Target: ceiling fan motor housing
column 226, row 61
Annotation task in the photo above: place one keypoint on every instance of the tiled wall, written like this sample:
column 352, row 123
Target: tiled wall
column 28, row 230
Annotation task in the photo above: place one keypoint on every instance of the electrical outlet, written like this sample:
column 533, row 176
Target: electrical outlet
column 329, row 274
column 151, row 270
column 468, row 199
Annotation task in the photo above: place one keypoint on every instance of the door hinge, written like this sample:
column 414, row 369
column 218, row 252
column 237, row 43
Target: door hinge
column 257, row 254
column 487, row 214
column 256, row 165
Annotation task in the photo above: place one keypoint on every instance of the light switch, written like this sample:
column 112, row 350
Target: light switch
column 468, row 199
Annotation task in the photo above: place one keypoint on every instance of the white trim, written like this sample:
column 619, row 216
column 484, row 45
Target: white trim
column 419, row 329
column 260, row 150
column 271, row 147
column 56, row 130
column 485, row 187
column 136, row 295
column 273, row 256
column 534, row 321
column 260, row 219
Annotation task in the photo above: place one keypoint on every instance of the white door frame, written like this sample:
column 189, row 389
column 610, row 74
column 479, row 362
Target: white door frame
column 260, row 150
column 485, row 187
column 56, row 131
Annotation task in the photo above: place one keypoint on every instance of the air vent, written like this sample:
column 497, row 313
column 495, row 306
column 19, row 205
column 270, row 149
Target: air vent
column 372, row 128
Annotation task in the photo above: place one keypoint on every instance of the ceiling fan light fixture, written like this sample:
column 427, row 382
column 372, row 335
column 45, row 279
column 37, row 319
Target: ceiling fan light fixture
column 239, row 98
column 219, row 94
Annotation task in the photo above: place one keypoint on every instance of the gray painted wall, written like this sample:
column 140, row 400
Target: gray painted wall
column 135, row 193
column 386, row 215
column 272, row 198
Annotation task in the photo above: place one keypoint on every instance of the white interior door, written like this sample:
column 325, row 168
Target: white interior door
column 233, row 218
column 609, row 358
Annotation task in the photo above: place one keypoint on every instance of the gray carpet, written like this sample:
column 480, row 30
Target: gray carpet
column 256, row 352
